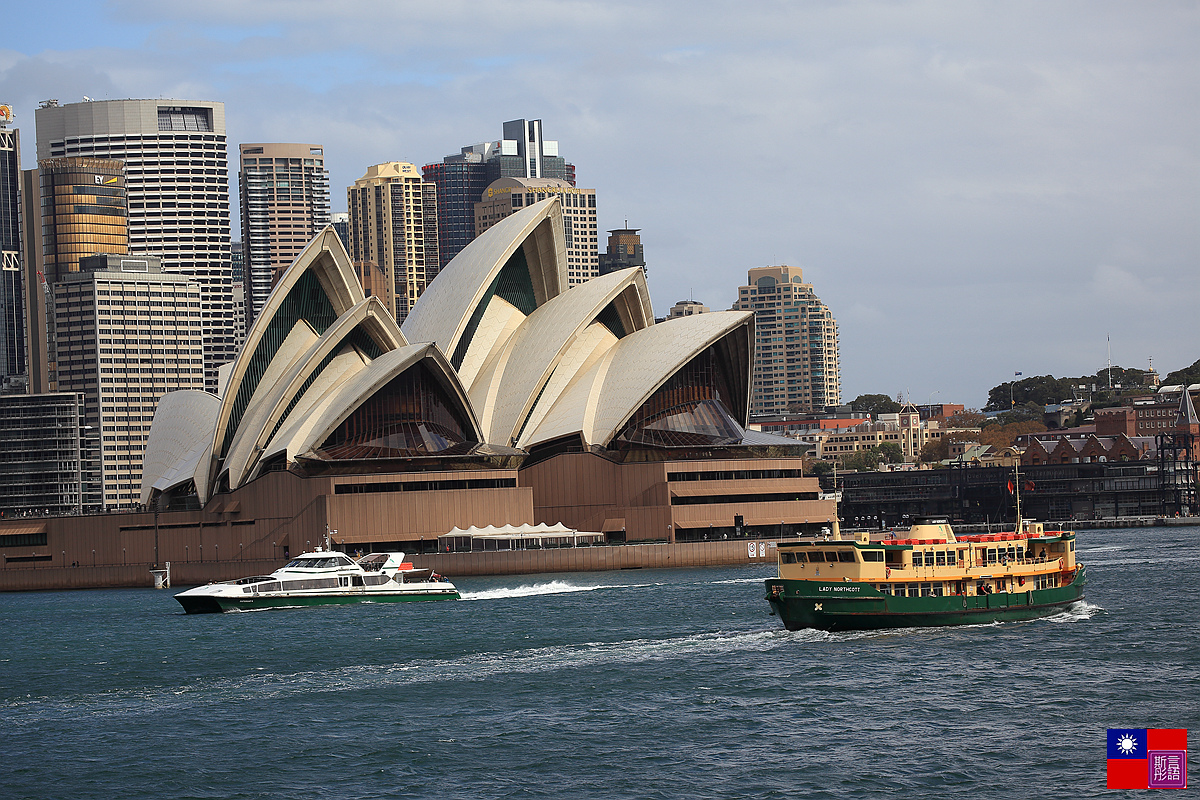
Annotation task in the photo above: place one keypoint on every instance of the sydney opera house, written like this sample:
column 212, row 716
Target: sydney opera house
column 505, row 398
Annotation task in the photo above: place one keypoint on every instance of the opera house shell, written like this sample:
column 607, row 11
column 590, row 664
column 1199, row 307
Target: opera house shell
column 504, row 399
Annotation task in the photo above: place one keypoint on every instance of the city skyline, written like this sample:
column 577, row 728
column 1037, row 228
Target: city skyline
column 943, row 173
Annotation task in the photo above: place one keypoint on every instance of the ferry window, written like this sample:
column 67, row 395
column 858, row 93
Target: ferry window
column 926, row 590
column 962, row 556
column 846, row 556
column 991, row 555
column 872, row 555
column 941, row 558
column 913, row 590
column 816, row 557
column 787, row 558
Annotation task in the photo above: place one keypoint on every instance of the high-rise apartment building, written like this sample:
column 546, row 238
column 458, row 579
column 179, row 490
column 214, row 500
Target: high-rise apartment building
column 624, row 250
column 283, row 190
column 393, row 234
column 506, row 196
column 12, row 296
column 128, row 333
column 177, row 181
column 462, row 178
column 796, row 343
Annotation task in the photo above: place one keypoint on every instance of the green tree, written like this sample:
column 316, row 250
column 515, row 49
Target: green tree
column 934, row 450
column 967, row 418
column 1029, row 412
column 891, row 453
column 862, row 460
column 939, row 449
column 875, row 404
column 1186, row 376
column 822, row 468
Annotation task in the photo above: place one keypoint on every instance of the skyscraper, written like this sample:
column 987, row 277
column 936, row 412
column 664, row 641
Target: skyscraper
column 624, row 250
column 12, row 299
column 127, row 335
column 283, row 190
column 462, row 178
column 393, row 234
column 177, row 180
column 506, row 196
column 83, row 211
column 796, row 343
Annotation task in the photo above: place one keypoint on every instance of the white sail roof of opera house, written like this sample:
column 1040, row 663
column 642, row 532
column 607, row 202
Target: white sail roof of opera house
column 488, row 289
column 599, row 401
column 497, row 353
column 347, row 347
column 567, row 334
column 316, row 289
column 308, row 432
column 179, row 437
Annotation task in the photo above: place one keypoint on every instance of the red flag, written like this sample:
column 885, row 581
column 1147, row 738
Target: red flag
column 1010, row 487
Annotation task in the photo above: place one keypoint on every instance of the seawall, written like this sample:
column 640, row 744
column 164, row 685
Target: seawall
column 452, row 565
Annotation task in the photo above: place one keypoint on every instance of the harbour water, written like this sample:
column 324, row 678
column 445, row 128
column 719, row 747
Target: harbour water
column 628, row 684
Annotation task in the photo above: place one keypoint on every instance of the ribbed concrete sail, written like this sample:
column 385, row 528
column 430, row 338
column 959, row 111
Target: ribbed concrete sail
column 480, row 298
column 316, row 289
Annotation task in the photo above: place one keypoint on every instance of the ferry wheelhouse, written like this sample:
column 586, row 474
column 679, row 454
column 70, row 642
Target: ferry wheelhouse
column 930, row 577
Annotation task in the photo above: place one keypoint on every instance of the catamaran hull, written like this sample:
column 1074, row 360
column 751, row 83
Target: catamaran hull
column 213, row 604
column 855, row 606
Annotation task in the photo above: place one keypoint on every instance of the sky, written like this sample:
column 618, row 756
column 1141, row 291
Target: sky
column 974, row 188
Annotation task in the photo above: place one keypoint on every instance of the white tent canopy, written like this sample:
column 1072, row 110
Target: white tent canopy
column 515, row 537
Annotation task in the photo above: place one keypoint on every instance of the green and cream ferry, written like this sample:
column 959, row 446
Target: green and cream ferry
column 930, row 577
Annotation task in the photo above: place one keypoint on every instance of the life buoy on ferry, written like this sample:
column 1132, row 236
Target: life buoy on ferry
column 887, row 572
column 1060, row 564
column 1021, row 581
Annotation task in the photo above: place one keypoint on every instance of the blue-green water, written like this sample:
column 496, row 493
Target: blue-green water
column 634, row 684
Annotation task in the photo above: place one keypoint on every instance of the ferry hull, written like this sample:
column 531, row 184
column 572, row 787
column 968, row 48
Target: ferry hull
column 856, row 606
column 212, row 604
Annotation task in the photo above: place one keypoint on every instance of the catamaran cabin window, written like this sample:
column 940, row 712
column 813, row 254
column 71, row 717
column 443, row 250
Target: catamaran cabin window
column 846, row 556
column 787, row 558
column 872, row 555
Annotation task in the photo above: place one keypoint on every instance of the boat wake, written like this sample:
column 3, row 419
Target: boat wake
column 533, row 590
column 1076, row 612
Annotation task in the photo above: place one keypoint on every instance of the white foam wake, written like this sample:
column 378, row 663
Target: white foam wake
column 531, row 590
column 1076, row 612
